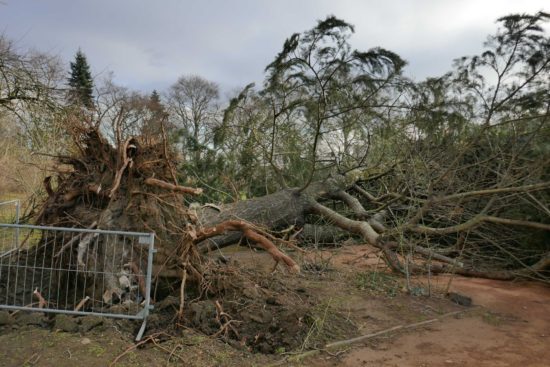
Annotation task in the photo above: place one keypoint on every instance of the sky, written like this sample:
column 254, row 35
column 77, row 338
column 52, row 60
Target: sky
column 149, row 44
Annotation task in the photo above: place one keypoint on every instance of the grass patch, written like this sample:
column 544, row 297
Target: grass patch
column 7, row 209
column 378, row 282
column 8, row 213
column 492, row 318
column 326, row 323
column 96, row 350
column 316, row 319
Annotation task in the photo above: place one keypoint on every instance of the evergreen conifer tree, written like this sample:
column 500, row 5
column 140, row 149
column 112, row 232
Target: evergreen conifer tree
column 155, row 97
column 80, row 82
column 155, row 105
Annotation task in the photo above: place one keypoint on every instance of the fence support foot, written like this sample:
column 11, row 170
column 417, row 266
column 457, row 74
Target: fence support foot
column 141, row 330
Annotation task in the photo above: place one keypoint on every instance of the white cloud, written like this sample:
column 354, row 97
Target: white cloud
column 149, row 44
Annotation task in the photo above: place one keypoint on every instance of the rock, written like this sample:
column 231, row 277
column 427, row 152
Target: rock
column 5, row 318
column 124, row 282
column 153, row 320
column 31, row 318
column 264, row 348
column 266, row 316
column 112, row 296
column 203, row 314
column 88, row 323
column 273, row 301
column 85, row 341
column 460, row 299
column 235, row 344
column 66, row 323
column 418, row 291
column 251, row 292
column 168, row 302
column 126, row 308
column 261, row 317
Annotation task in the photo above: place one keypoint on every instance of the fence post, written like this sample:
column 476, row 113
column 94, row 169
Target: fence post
column 17, row 209
column 150, row 240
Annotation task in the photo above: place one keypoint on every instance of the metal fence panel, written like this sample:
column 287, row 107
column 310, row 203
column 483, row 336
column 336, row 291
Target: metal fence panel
column 76, row 271
column 10, row 211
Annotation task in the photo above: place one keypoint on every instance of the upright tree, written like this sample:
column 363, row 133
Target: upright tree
column 29, row 95
column 154, row 98
column 156, row 117
column 80, row 82
column 192, row 100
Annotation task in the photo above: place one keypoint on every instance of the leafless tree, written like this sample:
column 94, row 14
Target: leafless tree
column 192, row 103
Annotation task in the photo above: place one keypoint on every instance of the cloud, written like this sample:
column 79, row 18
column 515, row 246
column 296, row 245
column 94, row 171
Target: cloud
column 150, row 44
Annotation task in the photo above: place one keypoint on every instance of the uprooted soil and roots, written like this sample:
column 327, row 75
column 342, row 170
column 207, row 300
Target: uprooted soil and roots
column 131, row 185
column 257, row 311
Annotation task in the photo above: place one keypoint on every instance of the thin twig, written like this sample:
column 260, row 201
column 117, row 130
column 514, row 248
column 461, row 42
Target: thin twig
column 365, row 337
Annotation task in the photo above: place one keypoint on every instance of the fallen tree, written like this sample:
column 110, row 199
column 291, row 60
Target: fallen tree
column 291, row 209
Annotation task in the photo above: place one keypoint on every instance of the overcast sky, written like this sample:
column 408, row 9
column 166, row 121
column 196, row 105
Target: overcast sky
column 149, row 44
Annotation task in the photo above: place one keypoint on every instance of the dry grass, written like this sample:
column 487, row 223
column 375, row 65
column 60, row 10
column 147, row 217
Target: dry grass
column 7, row 209
column 21, row 171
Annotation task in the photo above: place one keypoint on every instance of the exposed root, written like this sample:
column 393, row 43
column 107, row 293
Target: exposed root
column 126, row 161
column 225, row 321
column 250, row 233
column 41, row 301
column 82, row 303
column 182, row 289
column 176, row 188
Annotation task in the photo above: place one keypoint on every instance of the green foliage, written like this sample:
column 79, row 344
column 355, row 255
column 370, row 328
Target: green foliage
column 80, row 82
column 318, row 93
column 509, row 77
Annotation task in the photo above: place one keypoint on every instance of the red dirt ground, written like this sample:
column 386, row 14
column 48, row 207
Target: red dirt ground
column 512, row 329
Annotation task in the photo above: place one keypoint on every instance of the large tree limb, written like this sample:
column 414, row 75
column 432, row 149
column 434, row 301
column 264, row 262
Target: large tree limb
column 369, row 234
column 428, row 254
column 359, row 227
column 365, row 193
column 393, row 261
column 360, row 212
column 515, row 222
column 352, row 202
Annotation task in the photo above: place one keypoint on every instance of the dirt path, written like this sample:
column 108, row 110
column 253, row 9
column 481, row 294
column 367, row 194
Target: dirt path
column 512, row 330
column 509, row 325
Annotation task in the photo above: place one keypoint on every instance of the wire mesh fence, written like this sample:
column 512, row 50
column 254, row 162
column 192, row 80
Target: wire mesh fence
column 76, row 271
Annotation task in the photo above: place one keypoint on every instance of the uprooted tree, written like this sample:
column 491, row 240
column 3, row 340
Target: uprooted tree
column 454, row 169
column 449, row 175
